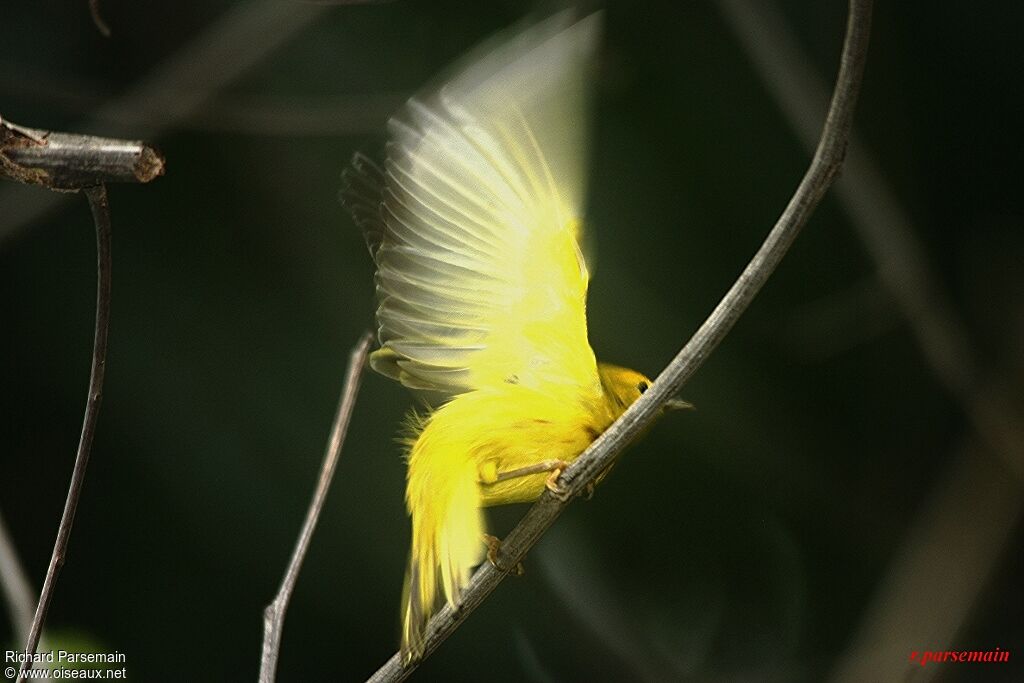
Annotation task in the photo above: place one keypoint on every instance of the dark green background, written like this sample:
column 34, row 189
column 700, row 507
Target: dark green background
column 740, row 542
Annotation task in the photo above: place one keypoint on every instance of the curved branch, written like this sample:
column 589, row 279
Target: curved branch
column 970, row 492
column 101, row 215
column 819, row 176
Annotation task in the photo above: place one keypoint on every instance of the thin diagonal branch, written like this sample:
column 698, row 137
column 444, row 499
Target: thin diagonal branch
column 819, row 176
column 273, row 616
column 69, row 161
column 101, row 216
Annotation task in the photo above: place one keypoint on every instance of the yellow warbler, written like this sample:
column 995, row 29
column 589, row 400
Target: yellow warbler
column 474, row 224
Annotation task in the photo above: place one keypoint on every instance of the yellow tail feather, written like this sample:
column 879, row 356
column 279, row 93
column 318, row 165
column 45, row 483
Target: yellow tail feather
column 443, row 499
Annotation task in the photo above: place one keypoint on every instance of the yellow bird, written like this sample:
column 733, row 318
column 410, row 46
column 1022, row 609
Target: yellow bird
column 474, row 223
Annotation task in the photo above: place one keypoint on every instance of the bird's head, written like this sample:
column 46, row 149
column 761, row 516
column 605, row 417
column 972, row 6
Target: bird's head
column 622, row 386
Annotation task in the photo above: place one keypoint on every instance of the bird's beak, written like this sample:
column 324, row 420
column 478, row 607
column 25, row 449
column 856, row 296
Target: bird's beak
column 678, row 404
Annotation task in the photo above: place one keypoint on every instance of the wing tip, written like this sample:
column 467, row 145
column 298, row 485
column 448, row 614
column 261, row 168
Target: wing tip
column 361, row 193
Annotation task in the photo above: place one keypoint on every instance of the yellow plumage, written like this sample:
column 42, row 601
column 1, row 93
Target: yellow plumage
column 474, row 223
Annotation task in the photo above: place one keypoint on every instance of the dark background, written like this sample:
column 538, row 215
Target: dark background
column 751, row 540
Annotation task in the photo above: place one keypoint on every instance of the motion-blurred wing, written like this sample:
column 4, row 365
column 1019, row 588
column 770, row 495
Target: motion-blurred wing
column 361, row 186
column 479, row 273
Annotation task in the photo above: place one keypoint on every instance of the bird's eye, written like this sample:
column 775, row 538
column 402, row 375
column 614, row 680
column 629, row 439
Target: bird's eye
column 642, row 387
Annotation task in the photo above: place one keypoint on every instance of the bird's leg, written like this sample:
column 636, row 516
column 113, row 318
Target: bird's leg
column 490, row 475
column 553, row 466
column 552, row 484
column 493, row 545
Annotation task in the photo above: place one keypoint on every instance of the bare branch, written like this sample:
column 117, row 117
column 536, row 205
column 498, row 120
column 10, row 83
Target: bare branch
column 273, row 616
column 886, row 232
column 67, row 161
column 101, row 216
column 246, row 33
column 602, row 452
column 974, row 500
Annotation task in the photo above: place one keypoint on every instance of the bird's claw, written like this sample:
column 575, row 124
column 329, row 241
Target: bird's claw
column 493, row 546
column 559, row 492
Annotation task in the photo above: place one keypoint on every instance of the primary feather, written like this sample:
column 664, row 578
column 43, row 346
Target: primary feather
column 474, row 223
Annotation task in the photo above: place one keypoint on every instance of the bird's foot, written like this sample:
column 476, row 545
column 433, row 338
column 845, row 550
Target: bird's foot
column 493, row 548
column 559, row 492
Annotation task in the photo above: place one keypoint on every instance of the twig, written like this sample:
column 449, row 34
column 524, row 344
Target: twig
column 17, row 591
column 273, row 615
column 235, row 42
column 602, row 452
column 886, row 231
column 973, row 500
column 97, row 197
column 68, row 161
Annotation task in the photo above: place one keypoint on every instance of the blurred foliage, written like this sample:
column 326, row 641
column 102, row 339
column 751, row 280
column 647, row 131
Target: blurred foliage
column 743, row 540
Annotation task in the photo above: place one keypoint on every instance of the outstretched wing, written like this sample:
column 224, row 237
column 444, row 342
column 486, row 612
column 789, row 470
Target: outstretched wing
column 479, row 273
